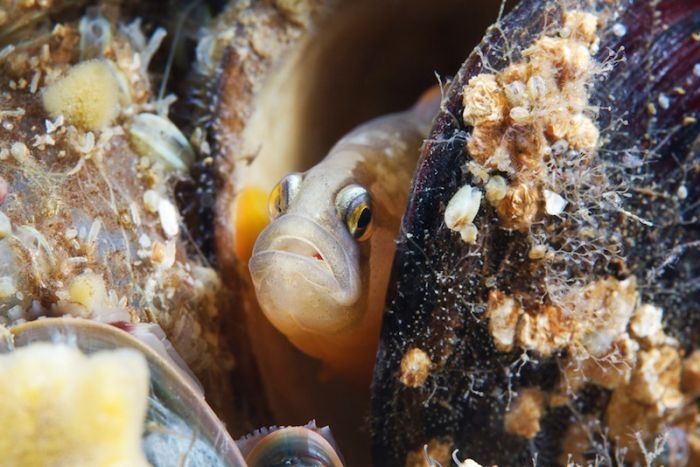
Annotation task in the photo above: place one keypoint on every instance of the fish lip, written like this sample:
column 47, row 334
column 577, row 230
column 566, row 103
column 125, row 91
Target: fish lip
column 277, row 246
column 262, row 264
column 337, row 269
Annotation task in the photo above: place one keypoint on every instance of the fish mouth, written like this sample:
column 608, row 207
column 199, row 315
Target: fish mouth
column 302, row 273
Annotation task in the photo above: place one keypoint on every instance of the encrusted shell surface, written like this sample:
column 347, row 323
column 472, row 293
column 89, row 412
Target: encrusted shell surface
column 78, row 235
column 567, row 326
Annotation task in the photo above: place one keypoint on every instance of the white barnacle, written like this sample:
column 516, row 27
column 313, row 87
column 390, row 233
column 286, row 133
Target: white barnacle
column 619, row 29
column 554, row 204
column 158, row 138
column 462, row 208
column 19, row 151
column 461, row 211
column 168, row 218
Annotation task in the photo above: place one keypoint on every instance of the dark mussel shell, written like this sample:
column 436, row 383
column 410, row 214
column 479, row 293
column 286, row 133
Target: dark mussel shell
column 440, row 284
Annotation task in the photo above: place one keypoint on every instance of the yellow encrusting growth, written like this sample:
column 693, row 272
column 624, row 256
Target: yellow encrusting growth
column 60, row 407
column 87, row 95
column 88, row 290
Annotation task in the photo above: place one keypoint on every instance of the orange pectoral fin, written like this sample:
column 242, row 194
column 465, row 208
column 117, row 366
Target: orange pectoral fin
column 249, row 218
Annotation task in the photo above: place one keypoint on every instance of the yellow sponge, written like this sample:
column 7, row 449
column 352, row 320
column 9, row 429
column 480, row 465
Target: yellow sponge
column 60, row 407
column 87, row 95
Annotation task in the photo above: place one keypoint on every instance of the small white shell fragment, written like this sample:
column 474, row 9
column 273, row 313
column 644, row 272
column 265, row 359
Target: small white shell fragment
column 134, row 211
column 682, row 192
column 619, row 29
column 664, row 101
column 158, row 138
column 19, row 151
column 462, row 208
column 5, row 225
column 7, row 287
column 496, row 189
column 151, row 199
column 168, row 218
column 696, row 69
column 144, row 241
column 554, row 204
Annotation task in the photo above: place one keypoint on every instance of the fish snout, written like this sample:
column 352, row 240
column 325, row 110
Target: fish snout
column 304, row 277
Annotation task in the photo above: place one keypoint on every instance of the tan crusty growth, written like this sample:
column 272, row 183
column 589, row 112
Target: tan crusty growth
column 524, row 417
column 587, row 323
column 415, row 368
column 521, row 113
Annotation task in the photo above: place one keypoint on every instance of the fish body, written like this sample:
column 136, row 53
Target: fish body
column 316, row 281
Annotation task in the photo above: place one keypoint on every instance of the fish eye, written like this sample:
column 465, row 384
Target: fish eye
column 354, row 206
column 283, row 193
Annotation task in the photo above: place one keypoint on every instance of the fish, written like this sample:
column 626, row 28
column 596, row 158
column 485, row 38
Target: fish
column 321, row 267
